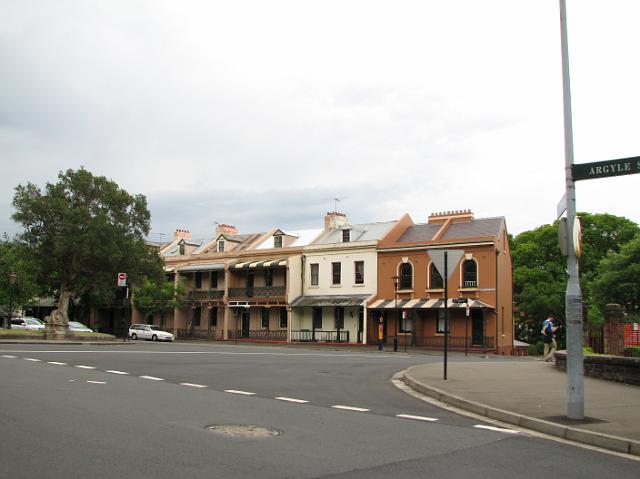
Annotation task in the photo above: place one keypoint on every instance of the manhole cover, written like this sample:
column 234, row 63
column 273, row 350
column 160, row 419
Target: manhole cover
column 244, row 430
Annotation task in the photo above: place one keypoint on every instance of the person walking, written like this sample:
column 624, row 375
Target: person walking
column 549, row 334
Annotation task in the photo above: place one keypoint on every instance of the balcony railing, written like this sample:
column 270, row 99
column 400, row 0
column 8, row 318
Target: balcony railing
column 214, row 334
column 455, row 342
column 471, row 284
column 319, row 335
column 260, row 292
column 205, row 294
column 260, row 334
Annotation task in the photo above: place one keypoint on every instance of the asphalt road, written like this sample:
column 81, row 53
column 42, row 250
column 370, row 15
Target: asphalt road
column 143, row 410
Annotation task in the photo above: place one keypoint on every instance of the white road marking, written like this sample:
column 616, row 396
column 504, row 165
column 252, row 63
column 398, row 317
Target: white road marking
column 193, row 385
column 299, row 401
column 153, row 378
column 113, row 371
column 350, row 408
column 57, row 363
column 235, row 391
column 97, row 382
column 33, row 359
column 9, row 357
column 85, row 367
column 495, row 428
column 418, row 418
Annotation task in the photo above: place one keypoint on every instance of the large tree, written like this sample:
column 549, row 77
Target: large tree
column 82, row 231
column 15, row 258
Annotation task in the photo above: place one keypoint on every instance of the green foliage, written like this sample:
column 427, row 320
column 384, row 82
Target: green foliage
column 159, row 297
column 632, row 352
column 82, row 231
column 540, row 279
column 536, row 349
column 15, row 257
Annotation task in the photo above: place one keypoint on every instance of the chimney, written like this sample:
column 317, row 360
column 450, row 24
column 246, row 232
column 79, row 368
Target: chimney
column 454, row 216
column 222, row 228
column 334, row 220
column 180, row 233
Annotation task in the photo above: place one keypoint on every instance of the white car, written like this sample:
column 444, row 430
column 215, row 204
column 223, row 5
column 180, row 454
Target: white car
column 148, row 331
column 79, row 327
column 27, row 323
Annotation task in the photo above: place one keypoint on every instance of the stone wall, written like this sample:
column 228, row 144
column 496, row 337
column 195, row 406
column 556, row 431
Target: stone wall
column 613, row 368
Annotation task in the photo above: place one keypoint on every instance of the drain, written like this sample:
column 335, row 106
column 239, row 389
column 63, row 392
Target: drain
column 244, row 430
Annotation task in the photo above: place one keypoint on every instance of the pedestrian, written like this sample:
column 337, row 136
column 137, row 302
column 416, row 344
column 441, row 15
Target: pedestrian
column 549, row 334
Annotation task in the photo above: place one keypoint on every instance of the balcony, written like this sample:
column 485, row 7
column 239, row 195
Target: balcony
column 260, row 292
column 205, row 295
column 318, row 335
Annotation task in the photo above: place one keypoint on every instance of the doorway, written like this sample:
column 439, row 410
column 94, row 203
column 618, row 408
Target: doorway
column 477, row 327
column 245, row 322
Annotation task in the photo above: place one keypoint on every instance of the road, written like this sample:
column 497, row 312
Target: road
column 144, row 410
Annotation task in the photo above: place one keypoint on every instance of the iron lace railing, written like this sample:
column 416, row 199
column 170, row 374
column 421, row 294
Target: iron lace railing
column 320, row 335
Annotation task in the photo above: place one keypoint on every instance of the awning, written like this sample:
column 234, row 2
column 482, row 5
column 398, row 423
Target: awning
column 260, row 264
column 330, row 301
column 201, row 267
column 426, row 304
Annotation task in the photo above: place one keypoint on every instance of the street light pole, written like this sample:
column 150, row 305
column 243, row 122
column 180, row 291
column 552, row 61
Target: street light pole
column 12, row 280
column 395, row 338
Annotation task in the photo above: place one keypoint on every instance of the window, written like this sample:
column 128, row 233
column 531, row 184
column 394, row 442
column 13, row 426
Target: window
column 317, row 318
column 470, row 274
column 265, row 318
column 436, row 277
column 197, row 312
column 346, row 236
column 277, row 241
column 283, row 317
column 213, row 280
column 440, row 322
column 213, row 317
column 359, row 269
column 339, row 318
column 250, row 278
column 335, row 272
column 406, row 322
column 315, row 267
column 197, row 279
column 268, row 277
column 220, row 246
column 182, row 250
column 406, row 276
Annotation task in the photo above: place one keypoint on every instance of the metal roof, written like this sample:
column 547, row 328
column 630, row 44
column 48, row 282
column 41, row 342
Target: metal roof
column 330, row 301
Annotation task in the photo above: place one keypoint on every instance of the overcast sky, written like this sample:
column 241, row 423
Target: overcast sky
column 259, row 113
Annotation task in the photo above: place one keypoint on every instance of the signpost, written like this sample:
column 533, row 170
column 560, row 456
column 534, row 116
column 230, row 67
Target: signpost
column 445, row 261
column 122, row 283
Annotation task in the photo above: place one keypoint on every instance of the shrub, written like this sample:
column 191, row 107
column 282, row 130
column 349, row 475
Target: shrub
column 536, row 349
column 632, row 351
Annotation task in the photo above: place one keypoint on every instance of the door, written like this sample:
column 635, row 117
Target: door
column 477, row 327
column 245, row 322
column 250, row 281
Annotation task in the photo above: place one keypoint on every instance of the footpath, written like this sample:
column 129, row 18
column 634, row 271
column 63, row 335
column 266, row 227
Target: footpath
column 531, row 393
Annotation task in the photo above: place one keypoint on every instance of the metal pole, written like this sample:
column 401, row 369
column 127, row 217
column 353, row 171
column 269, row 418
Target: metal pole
column 446, row 316
column 573, row 297
column 395, row 338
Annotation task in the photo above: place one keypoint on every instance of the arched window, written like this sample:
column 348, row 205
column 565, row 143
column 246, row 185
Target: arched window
column 435, row 277
column 470, row 274
column 406, row 276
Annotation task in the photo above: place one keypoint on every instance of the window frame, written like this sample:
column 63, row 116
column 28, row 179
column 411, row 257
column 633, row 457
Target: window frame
column 336, row 274
column 473, row 283
column 220, row 246
column 355, row 271
column 405, row 281
column 316, row 317
column 277, row 241
column 346, row 236
column 284, row 318
column 433, row 272
column 315, row 276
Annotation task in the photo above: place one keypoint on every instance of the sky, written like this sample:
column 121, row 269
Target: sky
column 258, row 114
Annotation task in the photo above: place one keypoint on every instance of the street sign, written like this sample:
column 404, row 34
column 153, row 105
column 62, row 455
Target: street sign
column 562, row 206
column 603, row 169
column 122, row 279
column 453, row 258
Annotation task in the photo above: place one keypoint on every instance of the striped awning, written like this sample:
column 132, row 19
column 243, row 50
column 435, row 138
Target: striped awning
column 260, row 264
column 426, row 304
column 330, row 301
column 201, row 267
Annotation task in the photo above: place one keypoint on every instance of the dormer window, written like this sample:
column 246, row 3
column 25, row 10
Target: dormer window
column 182, row 248
column 221, row 246
column 277, row 241
column 346, row 236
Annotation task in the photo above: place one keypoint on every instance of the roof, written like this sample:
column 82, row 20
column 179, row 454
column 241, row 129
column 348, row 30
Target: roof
column 201, row 267
column 359, row 232
column 475, row 228
column 343, row 300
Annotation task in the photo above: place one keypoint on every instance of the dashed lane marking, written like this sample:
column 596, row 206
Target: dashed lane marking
column 56, row 363
column 8, row 356
column 294, row 400
column 495, row 428
column 417, row 418
column 243, row 393
column 152, row 378
column 191, row 385
column 85, row 367
column 350, row 408
column 97, row 382
column 33, row 359
column 113, row 371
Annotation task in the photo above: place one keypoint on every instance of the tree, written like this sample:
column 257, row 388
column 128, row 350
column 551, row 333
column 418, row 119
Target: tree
column 15, row 258
column 82, row 231
column 159, row 298
column 618, row 280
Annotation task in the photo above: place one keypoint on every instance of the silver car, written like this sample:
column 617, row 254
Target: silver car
column 27, row 323
column 79, row 327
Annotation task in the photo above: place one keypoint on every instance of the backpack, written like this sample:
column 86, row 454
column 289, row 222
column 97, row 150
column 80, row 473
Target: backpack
column 547, row 328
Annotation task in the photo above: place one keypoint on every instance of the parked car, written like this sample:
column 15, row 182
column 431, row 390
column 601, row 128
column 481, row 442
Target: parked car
column 79, row 327
column 148, row 331
column 26, row 323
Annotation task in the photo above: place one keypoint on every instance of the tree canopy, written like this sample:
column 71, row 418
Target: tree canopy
column 83, row 230
column 15, row 258
column 159, row 297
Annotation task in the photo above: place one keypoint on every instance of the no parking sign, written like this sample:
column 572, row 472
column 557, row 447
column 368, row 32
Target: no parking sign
column 122, row 279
